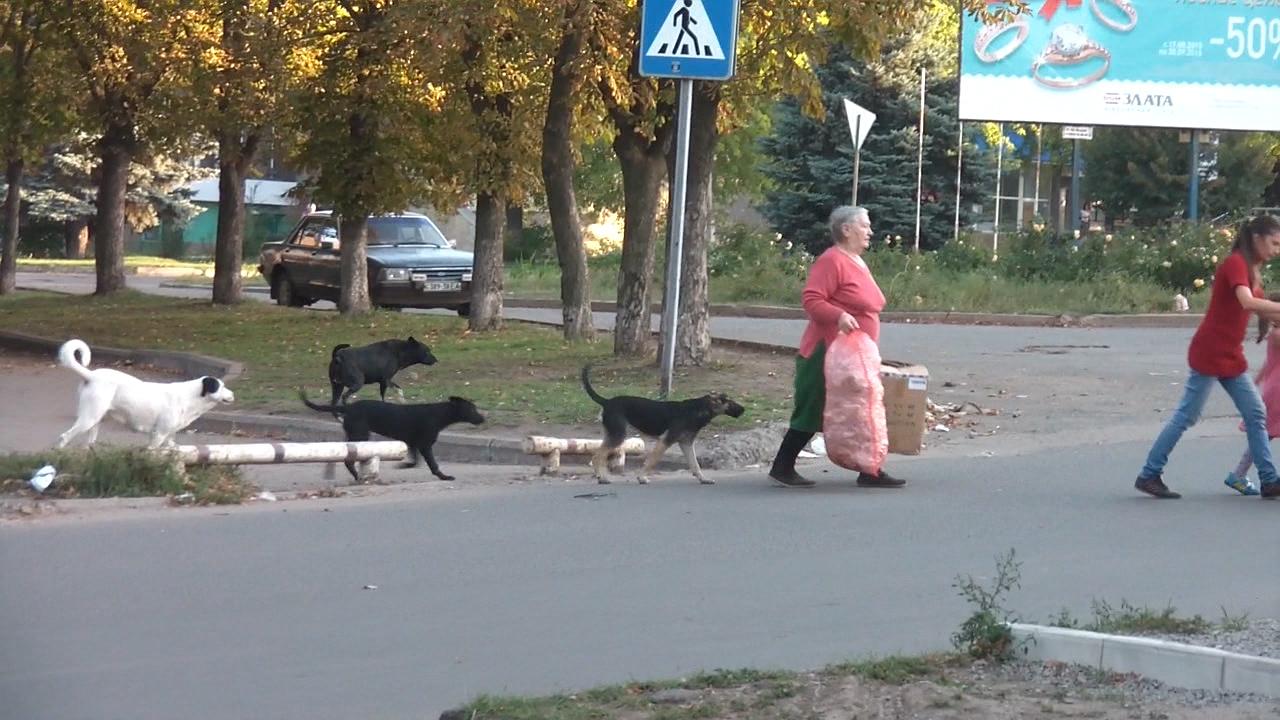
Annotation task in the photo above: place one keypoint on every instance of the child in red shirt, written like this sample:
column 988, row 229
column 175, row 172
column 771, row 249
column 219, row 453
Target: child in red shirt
column 1217, row 354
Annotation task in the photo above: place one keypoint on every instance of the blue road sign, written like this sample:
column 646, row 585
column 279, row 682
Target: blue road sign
column 689, row 39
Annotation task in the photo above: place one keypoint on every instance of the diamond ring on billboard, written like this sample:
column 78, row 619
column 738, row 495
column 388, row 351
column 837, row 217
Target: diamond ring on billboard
column 988, row 35
column 1069, row 45
column 1130, row 13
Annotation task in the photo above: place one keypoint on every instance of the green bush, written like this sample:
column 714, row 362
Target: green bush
column 535, row 244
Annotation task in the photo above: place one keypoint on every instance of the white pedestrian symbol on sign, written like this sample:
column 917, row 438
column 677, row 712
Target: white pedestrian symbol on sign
column 687, row 33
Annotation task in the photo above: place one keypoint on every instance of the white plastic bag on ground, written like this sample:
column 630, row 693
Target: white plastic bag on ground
column 853, row 420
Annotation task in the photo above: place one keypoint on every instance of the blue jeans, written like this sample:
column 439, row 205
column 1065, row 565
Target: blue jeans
column 1247, row 401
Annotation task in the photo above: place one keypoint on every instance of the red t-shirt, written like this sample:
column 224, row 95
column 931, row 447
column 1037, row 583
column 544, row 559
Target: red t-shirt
column 1218, row 346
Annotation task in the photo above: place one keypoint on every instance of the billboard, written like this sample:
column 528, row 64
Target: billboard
column 1206, row 64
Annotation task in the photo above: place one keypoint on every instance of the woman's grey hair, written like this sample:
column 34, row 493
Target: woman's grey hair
column 841, row 215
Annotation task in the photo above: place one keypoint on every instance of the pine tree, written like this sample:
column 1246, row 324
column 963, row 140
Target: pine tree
column 811, row 160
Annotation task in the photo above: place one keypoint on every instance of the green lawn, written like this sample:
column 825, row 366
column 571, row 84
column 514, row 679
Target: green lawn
column 520, row 376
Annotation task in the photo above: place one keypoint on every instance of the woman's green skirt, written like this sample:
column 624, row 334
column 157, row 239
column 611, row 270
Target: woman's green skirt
column 810, row 391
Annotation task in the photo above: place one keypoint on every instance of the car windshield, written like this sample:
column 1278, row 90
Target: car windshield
column 404, row 231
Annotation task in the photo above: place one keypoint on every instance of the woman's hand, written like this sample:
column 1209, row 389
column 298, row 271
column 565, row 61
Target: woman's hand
column 846, row 323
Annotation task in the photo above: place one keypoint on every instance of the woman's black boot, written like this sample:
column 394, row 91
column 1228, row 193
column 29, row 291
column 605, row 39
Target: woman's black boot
column 784, row 463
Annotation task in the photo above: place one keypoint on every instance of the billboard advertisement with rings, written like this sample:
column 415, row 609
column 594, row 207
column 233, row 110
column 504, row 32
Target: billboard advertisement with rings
column 1203, row 64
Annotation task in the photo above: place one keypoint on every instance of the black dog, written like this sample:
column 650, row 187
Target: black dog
column 669, row 422
column 351, row 368
column 417, row 426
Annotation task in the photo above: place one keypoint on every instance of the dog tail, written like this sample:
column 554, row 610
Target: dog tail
column 335, row 409
column 338, row 348
column 74, row 355
column 586, row 385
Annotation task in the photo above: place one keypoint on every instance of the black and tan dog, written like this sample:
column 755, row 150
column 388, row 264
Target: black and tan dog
column 417, row 426
column 351, row 368
column 668, row 422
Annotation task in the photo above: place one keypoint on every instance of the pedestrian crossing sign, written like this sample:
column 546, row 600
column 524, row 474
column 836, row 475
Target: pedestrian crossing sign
column 689, row 39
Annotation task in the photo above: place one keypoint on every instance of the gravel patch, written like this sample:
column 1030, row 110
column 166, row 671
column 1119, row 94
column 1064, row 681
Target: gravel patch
column 1089, row 682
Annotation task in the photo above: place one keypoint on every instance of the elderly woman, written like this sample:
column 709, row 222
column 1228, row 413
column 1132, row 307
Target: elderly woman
column 839, row 296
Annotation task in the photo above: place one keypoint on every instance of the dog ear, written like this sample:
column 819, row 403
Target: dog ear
column 411, row 340
column 459, row 400
column 209, row 385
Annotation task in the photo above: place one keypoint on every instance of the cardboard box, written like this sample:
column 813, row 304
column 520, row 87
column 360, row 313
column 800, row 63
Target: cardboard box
column 905, row 390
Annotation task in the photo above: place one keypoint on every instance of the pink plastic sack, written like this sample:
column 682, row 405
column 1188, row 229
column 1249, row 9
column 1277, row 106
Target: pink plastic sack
column 853, row 422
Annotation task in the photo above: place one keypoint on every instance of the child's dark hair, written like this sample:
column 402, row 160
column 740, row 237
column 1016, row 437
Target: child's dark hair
column 1264, row 325
column 1250, row 230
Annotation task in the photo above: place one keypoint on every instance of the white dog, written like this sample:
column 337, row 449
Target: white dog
column 158, row 409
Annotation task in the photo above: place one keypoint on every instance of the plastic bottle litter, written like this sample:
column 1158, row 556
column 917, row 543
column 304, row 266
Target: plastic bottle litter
column 43, row 477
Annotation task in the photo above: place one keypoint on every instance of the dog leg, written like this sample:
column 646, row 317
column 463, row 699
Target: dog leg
column 692, row 459
column 89, row 415
column 431, row 460
column 655, row 454
column 597, row 465
column 413, row 458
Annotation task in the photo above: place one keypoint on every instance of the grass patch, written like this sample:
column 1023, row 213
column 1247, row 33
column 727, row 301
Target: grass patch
column 894, row 670
column 522, row 375
column 102, row 472
column 1128, row 619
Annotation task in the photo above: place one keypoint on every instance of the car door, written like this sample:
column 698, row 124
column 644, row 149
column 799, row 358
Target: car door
column 326, row 265
column 301, row 258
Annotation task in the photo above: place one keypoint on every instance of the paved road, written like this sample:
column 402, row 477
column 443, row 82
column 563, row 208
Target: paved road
column 258, row 612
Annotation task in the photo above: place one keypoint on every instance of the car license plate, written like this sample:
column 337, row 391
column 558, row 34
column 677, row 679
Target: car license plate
column 441, row 286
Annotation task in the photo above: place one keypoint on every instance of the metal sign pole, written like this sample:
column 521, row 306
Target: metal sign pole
column 1035, row 209
column 857, row 154
column 1193, row 192
column 920, row 163
column 676, row 243
column 995, row 227
column 959, row 169
column 1076, row 203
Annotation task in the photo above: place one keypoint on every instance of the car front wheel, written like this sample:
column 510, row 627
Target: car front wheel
column 286, row 295
column 464, row 310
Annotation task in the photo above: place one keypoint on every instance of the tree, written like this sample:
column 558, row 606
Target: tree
column 134, row 58
column 365, row 123
column 495, row 105
column 1238, row 176
column 62, row 188
column 244, row 76
column 34, row 109
column 1138, row 173
column 811, row 160
column 568, row 73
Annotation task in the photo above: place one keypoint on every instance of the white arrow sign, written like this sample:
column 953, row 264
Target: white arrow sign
column 860, row 122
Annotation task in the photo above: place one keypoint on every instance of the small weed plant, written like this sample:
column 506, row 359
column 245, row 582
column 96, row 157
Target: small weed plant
column 985, row 634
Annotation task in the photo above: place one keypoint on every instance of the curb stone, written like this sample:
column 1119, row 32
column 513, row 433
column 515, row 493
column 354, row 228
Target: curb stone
column 190, row 364
column 1173, row 663
column 924, row 317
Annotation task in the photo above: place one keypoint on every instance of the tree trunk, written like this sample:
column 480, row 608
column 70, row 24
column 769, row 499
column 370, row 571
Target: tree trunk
column 75, row 238
column 353, row 299
column 693, row 336
column 643, row 168
column 12, row 216
column 486, row 276
column 108, row 236
column 229, row 246
column 557, row 179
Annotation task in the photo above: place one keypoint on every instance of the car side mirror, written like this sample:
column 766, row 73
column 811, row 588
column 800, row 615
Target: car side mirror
column 452, row 243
